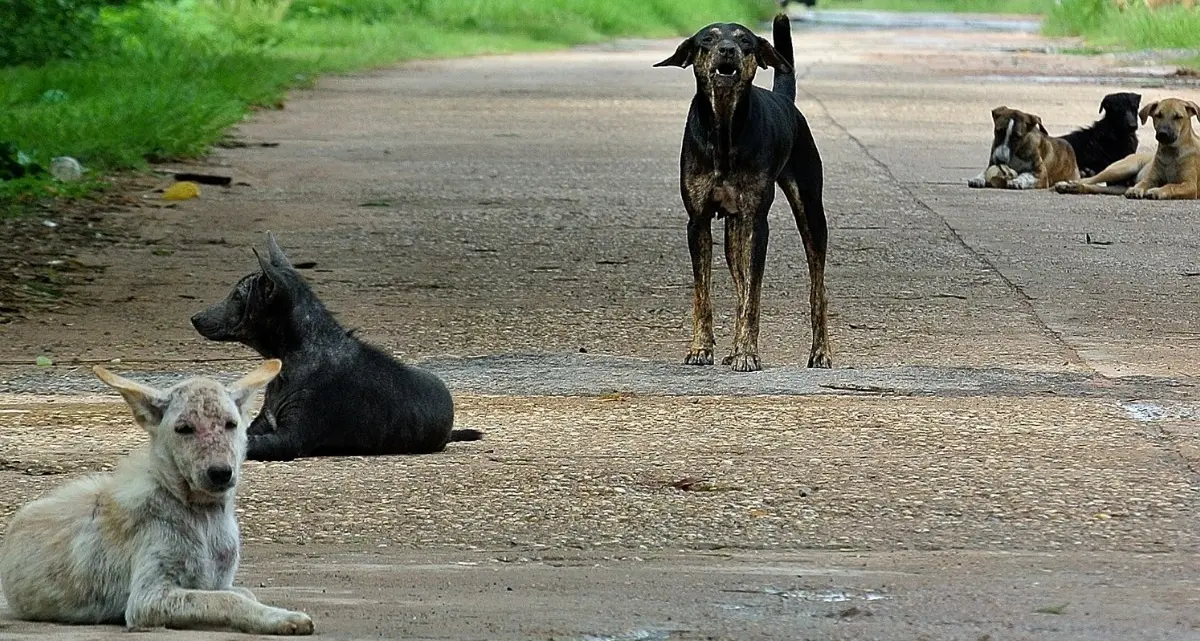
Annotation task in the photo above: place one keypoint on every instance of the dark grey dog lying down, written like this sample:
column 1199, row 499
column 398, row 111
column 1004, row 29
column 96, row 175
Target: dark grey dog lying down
column 336, row 395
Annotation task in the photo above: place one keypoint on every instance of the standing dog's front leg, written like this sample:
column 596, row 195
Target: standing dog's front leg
column 746, row 236
column 700, row 247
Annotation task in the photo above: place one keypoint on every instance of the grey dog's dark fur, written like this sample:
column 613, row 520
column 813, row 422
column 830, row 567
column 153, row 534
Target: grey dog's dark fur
column 739, row 142
column 336, row 395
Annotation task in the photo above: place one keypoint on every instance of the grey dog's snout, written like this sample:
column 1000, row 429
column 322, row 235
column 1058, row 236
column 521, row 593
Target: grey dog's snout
column 220, row 475
column 206, row 325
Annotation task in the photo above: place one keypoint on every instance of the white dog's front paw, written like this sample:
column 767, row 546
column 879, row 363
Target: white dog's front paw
column 286, row 622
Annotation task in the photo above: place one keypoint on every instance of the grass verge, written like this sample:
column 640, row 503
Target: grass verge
column 175, row 75
column 1101, row 23
column 943, row 6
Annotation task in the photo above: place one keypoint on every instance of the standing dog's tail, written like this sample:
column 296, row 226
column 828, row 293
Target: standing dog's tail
column 781, row 33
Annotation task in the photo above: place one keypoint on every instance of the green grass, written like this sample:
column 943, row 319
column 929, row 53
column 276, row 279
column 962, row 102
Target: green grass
column 176, row 75
column 1101, row 23
column 944, row 6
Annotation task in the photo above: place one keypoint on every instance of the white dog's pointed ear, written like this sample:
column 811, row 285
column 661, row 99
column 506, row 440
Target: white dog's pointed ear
column 147, row 403
column 243, row 391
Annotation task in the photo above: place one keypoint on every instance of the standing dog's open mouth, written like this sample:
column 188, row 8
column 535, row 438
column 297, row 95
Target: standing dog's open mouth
column 726, row 72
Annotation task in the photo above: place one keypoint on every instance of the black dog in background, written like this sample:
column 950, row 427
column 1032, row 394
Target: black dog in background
column 1109, row 139
column 336, row 395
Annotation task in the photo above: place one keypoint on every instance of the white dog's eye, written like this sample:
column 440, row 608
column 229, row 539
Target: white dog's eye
column 184, row 428
column 231, row 425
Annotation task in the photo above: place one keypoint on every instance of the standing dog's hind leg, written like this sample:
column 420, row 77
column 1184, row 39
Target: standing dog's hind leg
column 700, row 247
column 809, row 212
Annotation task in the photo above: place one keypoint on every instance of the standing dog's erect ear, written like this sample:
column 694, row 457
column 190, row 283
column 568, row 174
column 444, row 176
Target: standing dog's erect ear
column 997, row 111
column 768, row 55
column 1144, row 114
column 683, row 56
column 147, row 403
column 244, row 389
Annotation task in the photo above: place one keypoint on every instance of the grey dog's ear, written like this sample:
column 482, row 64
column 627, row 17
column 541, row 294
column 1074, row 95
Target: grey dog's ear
column 683, row 56
column 274, row 276
column 768, row 55
column 278, row 259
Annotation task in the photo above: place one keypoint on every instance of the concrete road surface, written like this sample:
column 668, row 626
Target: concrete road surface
column 1007, row 450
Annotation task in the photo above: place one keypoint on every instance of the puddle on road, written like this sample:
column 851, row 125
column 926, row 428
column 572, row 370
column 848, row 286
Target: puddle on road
column 826, row 596
column 1145, row 411
column 635, row 635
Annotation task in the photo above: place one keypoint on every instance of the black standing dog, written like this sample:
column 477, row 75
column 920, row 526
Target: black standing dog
column 739, row 142
column 1109, row 139
column 336, row 395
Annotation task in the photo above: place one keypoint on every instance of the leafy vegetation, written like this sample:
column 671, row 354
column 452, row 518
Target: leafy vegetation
column 1101, row 22
column 127, row 82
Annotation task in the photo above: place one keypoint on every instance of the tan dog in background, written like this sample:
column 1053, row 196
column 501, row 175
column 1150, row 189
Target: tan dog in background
column 1170, row 173
column 1024, row 155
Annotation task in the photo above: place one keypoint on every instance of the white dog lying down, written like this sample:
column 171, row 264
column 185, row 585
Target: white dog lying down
column 154, row 544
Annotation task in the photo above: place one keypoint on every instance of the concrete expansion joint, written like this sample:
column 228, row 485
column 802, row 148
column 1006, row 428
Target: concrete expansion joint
column 1025, row 299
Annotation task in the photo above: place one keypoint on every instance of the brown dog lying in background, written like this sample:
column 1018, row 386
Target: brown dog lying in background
column 1024, row 155
column 1170, row 173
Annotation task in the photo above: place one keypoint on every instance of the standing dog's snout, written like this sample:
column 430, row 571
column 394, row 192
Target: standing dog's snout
column 220, row 475
column 727, row 49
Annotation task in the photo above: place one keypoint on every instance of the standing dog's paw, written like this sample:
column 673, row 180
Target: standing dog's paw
column 743, row 362
column 699, row 357
column 820, row 360
column 286, row 622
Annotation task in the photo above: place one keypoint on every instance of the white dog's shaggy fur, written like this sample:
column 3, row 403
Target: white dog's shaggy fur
column 154, row 544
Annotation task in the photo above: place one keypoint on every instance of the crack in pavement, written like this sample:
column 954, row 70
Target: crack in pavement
column 1022, row 296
